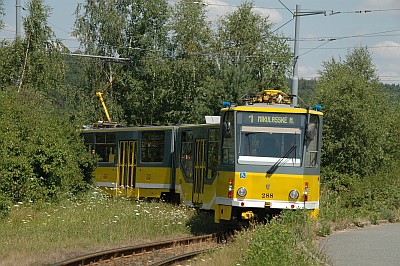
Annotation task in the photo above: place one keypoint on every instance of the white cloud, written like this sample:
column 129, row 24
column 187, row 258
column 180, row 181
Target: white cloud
column 387, row 49
column 307, row 72
column 272, row 14
column 217, row 9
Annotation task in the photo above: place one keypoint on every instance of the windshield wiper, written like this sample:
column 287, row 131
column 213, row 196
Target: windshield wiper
column 275, row 166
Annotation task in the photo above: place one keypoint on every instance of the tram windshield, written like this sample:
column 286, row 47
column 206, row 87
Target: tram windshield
column 263, row 142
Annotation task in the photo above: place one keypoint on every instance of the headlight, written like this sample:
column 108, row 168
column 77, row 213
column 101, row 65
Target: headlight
column 242, row 192
column 294, row 194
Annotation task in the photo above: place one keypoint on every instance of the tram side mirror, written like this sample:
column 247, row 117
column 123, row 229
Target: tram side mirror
column 311, row 131
column 227, row 130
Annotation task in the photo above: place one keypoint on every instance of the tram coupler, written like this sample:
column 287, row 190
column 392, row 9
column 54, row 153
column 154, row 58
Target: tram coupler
column 249, row 215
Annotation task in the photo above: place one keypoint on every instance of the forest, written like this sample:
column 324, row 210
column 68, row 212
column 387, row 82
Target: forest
column 168, row 65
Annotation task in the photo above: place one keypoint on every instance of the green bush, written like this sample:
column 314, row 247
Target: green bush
column 5, row 206
column 372, row 197
column 285, row 240
column 43, row 156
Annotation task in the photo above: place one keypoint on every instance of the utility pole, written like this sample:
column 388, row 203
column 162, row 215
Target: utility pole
column 18, row 18
column 295, row 78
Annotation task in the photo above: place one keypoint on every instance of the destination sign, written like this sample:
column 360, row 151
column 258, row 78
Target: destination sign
column 270, row 119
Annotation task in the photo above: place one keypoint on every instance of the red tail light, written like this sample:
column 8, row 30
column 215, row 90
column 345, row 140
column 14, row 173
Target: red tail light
column 230, row 188
column 305, row 191
column 305, row 197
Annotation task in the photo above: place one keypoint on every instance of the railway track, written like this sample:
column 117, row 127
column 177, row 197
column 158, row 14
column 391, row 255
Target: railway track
column 155, row 254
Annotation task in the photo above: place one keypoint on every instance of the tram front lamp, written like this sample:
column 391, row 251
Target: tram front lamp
column 242, row 192
column 294, row 194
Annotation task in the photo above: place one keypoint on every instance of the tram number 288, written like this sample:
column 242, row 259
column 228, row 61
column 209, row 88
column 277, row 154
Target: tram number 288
column 267, row 195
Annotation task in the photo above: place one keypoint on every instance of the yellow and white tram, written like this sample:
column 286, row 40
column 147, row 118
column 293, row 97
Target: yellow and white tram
column 259, row 158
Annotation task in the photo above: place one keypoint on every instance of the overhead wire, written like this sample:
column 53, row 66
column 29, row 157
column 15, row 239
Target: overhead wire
column 325, row 40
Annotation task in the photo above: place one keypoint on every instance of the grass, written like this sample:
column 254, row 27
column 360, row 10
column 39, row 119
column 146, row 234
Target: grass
column 37, row 234
column 285, row 240
column 366, row 200
column 41, row 234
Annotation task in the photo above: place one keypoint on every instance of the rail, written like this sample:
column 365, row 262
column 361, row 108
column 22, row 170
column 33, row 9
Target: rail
column 140, row 249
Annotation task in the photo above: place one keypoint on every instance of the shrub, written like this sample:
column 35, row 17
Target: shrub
column 285, row 240
column 42, row 155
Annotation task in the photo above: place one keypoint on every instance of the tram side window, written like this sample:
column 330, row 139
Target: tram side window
column 105, row 147
column 88, row 140
column 212, row 156
column 312, row 142
column 228, row 142
column 186, row 153
column 152, row 146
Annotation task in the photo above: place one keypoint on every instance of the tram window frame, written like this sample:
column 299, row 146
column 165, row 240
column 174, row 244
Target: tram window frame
column 152, row 147
column 105, row 147
column 311, row 159
column 212, row 153
column 186, row 153
column 88, row 141
column 228, row 140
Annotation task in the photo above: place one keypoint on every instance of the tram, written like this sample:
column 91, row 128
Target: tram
column 255, row 159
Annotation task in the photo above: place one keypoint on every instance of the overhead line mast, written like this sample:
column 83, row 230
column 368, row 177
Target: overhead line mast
column 295, row 78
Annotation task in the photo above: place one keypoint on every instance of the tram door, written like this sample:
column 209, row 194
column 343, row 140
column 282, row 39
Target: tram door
column 127, row 159
column 199, row 171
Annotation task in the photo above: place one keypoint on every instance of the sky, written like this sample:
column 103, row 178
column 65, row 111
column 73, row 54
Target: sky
column 345, row 25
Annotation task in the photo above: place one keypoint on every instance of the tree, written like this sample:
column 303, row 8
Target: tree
column 191, row 40
column 11, row 55
column 307, row 90
column 43, row 67
column 177, row 62
column 250, row 52
column 132, row 29
column 1, row 14
column 359, row 122
column 43, row 155
column 147, row 37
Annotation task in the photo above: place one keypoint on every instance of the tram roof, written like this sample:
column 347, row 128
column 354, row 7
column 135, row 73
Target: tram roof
column 144, row 128
column 272, row 108
column 126, row 128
